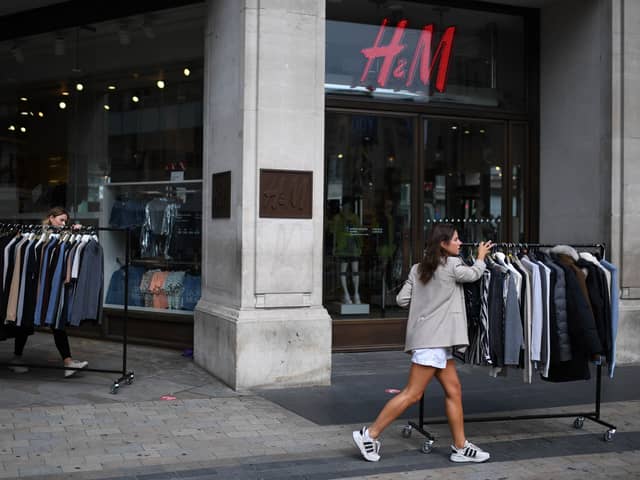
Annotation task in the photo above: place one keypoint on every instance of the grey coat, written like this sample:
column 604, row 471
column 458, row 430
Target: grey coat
column 437, row 316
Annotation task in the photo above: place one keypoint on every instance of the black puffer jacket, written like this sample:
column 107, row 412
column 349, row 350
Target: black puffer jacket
column 582, row 327
column 563, row 340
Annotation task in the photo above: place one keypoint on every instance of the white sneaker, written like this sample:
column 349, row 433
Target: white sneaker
column 369, row 448
column 468, row 453
column 17, row 368
column 74, row 364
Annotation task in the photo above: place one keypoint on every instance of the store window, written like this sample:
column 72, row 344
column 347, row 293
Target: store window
column 106, row 120
column 429, row 53
column 368, row 245
column 464, row 165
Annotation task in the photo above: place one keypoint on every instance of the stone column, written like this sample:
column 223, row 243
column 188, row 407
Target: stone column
column 260, row 321
column 625, row 215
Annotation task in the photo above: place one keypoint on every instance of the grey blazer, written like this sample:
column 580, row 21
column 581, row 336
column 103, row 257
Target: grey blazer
column 437, row 315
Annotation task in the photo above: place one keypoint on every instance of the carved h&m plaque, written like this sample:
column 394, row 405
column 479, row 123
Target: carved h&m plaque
column 286, row 193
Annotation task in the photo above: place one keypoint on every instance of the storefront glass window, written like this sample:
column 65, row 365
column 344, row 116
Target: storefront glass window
column 106, row 120
column 463, row 177
column 415, row 51
column 368, row 247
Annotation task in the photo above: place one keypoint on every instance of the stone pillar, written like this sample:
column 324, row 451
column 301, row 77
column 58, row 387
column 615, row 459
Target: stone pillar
column 260, row 321
column 625, row 178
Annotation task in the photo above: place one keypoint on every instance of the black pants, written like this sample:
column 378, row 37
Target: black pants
column 59, row 336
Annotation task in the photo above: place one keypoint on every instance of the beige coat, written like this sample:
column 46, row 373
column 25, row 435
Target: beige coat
column 437, row 316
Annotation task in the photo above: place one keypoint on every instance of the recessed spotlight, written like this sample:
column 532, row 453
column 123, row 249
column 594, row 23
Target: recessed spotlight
column 135, row 99
column 482, row 130
column 186, row 72
column 62, row 105
column 79, row 87
column 65, row 94
column 340, row 155
column 107, row 107
column 41, row 114
column 12, row 128
column 23, row 130
column 498, row 168
column 467, row 132
column 111, row 87
column 454, row 127
column 24, row 99
column 160, row 84
column 24, row 113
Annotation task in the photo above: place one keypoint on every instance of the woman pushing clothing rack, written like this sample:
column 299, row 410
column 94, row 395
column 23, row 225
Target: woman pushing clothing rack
column 437, row 323
column 56, row 217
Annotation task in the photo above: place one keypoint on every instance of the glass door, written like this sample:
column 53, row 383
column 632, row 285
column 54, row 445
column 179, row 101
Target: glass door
column 370, row 176
column 464, row 183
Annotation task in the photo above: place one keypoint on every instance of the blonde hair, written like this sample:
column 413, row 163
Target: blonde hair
column 54, row 212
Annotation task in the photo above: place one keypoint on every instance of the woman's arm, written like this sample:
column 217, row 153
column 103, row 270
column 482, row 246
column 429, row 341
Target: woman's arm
column 403, row 298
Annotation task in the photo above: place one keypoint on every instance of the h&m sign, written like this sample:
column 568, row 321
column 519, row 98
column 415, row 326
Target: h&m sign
column 402, row 62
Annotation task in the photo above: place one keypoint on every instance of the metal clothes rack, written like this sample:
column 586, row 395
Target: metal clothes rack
column 126, row 377
column 580, row 417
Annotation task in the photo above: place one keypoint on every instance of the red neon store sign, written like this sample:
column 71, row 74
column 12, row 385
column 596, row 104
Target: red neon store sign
column 390, row 54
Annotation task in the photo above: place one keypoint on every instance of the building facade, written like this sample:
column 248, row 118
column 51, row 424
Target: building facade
column 279, row 164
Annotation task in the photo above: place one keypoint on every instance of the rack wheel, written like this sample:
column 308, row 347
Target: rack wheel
column 609, row 434
column 427, row 446
column 578, row 423
column 115, row 387
column 406, row 431
column 129, row 379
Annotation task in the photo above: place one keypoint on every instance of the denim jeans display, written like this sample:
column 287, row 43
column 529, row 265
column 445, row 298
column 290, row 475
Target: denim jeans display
column 115, row 292
column 191, row 293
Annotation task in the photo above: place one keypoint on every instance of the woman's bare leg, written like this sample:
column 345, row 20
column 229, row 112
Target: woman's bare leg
column 419, row 378
column 448, row 378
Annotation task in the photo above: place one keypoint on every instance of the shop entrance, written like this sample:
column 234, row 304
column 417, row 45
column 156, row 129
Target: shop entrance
column 389, row 178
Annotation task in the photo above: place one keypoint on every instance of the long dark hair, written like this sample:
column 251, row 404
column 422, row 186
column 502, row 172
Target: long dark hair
column 434, row 255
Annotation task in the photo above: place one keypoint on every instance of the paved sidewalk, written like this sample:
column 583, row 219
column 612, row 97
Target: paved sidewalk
column 74, row 428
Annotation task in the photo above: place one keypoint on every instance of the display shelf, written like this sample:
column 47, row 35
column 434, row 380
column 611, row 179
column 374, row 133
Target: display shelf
column 153, row 262
column 164, row 311
column 159, row 182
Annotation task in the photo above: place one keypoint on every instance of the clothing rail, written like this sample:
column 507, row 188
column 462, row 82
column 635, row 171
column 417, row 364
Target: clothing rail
column 580, row 417
column 126, row 377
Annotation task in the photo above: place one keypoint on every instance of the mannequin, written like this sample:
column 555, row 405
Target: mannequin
column 347, row 248
column 387, row 246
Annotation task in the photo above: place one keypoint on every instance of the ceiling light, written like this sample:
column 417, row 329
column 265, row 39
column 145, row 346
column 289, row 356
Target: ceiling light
column 41, row 114
column 454, row 127
column 160, row 84
column 111, row 87
column 186, row 72
column 24, row 99
column 58, row 45
column 135, row 99
column 467, row 132
column 107, row 107
column 65, row 94
column 12, row 128
column 340, row 155
column 62, row 105
column 79, row 87
column 497, row 168
column 482, row 130
column 23, row 130
column 24, row 113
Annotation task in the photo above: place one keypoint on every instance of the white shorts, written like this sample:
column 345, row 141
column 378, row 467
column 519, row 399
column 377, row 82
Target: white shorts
column 432, row 357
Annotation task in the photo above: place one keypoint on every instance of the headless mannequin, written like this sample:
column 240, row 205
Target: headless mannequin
column 355, row 277
column 347, row 248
